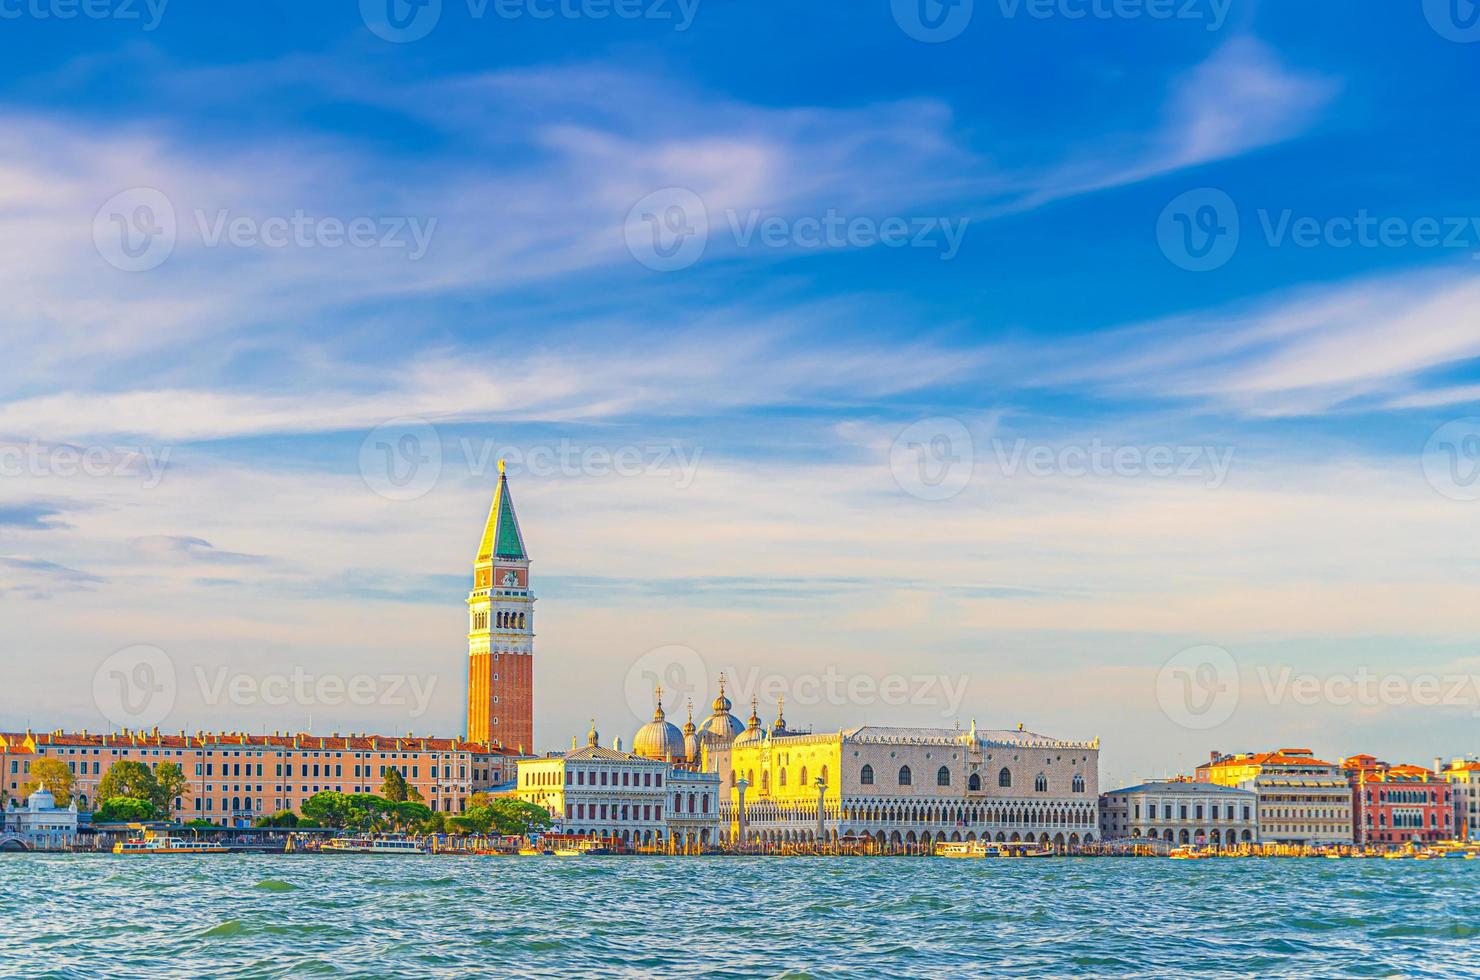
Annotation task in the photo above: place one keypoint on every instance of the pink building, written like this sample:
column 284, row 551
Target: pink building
column 1398, row 804
column 236, row 777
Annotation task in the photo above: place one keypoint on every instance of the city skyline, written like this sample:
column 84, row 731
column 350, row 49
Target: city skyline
column 946, row 391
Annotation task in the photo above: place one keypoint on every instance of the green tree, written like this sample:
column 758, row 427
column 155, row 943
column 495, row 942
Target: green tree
column 55, row 775
column 394, row 786
column 132, row 780
column 409, row 814
column 170, row 785
column 512, row 816
column 326, row 809
column 124, row 809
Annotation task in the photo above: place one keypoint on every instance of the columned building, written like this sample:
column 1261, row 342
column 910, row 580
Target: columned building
column 1302, row 799
column 1179, row 811
column 605, row 792
column 501, row 632
column 907, row 786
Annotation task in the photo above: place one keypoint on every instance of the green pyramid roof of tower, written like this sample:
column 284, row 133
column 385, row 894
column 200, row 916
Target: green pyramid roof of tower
column 501, row 537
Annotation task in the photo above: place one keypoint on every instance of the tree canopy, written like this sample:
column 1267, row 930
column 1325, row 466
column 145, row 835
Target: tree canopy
column 56, row 776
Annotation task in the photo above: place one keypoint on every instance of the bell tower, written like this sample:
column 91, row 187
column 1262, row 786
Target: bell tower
column 501, row 631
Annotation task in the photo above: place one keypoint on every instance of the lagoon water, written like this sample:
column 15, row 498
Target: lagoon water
column 303, row 915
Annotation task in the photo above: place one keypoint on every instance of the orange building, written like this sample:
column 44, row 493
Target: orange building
column 501, row 631
column 235, row 777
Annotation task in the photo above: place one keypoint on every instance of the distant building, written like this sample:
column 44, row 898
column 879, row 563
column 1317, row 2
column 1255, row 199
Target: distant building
column 1302, row 799
column 597, row 791
column 39, row 824
column 1398, row 804
column 1463, row 776
column 235, row 777
column 1180, row 811
column 903, row 786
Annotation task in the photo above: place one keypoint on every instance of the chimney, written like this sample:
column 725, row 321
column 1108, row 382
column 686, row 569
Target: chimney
column 1438, row 764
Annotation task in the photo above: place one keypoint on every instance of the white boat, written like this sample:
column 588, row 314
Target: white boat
column 370, row 845
column 967, row 849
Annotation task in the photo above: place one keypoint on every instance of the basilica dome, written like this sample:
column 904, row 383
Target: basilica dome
column 754, row 732
column 720, row 723
column 659, row 739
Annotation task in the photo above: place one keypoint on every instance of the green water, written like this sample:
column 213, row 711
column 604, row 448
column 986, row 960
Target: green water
column 302, row 915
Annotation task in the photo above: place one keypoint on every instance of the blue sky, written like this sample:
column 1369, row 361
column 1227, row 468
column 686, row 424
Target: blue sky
column 1069, row 282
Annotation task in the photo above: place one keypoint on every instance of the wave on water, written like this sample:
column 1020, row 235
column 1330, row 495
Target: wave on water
column 227, row 929
column 275, row 885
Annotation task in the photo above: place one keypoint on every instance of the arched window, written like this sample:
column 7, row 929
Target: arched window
column 1078, row 783
column 824, row 774
column 1004, row 778
column 974, row 784
column 804, row 777
column 904, row 775
column 1040, row 783
column 943, row 776
column 782, row 781
column 866, row 775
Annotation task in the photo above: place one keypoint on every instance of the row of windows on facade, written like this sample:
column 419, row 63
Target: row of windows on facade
column 504, row 621
column 238, row 753
column 577, row 777
column 577, row 811
column 1166, row 813
column 943, row 778
column 283, row 769
column 1407, row 821
column 1407, row 796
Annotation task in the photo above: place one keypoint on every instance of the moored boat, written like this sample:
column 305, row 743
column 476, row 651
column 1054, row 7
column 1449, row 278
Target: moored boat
column 152, row 843
column 370, row 845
